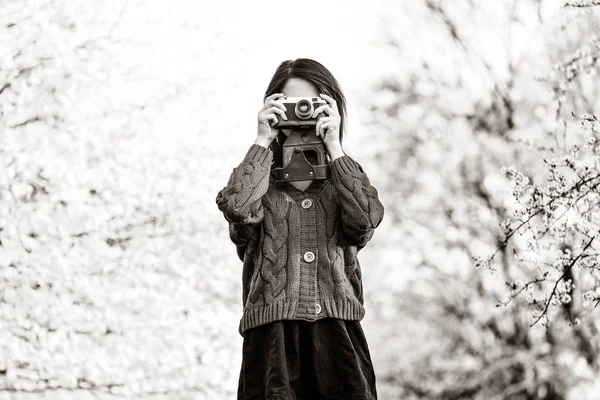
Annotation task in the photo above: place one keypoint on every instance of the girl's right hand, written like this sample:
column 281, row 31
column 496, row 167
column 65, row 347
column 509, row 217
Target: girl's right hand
column 268, row 116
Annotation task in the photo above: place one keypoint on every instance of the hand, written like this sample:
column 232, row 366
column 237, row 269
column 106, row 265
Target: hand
column 267, row 117
column 328, row 127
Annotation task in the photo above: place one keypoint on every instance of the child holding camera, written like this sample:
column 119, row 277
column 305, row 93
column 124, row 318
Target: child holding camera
column 298, row 241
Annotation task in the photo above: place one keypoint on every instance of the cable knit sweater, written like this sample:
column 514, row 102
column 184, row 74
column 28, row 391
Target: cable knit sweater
column 299, row 248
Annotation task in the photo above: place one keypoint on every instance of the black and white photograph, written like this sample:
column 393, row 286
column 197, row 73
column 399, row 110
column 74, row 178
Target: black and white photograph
column 300, row 200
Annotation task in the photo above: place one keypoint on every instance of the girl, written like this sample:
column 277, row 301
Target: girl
column 298, row 241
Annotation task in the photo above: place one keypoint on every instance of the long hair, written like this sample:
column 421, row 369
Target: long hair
column 315, row 73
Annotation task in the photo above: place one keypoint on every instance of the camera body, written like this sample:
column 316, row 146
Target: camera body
column 299, row 112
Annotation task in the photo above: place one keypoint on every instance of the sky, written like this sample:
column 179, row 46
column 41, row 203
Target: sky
column 219, row 56
column 254, row 37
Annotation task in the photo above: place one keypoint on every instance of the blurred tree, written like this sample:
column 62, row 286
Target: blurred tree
column 104, row 257
column 475, row 92
column 562, row 203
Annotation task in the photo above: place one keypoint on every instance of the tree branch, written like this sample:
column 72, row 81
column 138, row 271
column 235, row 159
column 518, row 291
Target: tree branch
column 547, row 305
column 3, row 88
column 582, row 4
column 37, row 118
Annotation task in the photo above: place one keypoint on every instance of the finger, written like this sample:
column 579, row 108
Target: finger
column 329, row 99
column 318, row 126
column 325, row 108
column 274, row 96
column 325, row 126
column 276, row 103
column 271, row 118
column 278, row 111
column 322, row 120
column 320, row 130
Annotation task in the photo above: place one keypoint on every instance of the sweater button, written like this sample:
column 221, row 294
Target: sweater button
column 309, row 256
column 318, row 308
column 306, row 203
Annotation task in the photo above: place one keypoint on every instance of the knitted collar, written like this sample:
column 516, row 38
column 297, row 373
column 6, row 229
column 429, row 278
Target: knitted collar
column 312, row 191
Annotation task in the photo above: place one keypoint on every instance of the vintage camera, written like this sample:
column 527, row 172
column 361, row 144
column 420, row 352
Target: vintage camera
column 303, row 153
column 299, row 112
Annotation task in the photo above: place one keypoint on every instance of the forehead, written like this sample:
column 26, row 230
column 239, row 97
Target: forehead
column 298, row 87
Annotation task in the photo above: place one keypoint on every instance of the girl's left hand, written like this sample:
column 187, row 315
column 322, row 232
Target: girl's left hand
column 328, row 127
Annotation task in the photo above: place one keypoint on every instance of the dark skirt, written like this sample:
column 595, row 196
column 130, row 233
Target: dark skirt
column 325, row 359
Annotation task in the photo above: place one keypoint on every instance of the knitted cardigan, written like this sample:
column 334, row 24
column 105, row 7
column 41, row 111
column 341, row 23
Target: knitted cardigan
column 299, row 248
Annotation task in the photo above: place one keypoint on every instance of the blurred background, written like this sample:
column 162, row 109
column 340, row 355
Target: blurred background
column 121, row 121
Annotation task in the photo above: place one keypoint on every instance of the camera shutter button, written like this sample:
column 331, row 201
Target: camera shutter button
column 306, row 203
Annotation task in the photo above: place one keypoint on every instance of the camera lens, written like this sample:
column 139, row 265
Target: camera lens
column 304, row 109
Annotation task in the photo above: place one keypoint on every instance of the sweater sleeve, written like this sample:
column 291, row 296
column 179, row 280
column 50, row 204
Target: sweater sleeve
column 240, row 200
column 361, row 210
